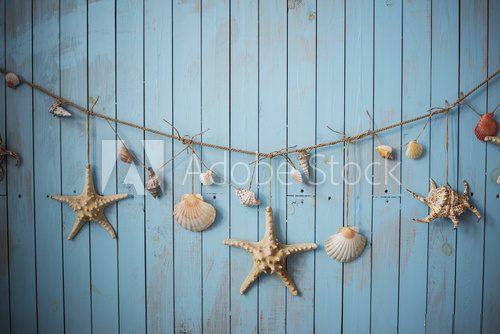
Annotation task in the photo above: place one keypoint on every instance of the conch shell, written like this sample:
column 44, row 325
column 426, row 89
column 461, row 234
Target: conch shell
column 385, row 151
column 246, row 197
column 303, row 159
column 414, row 150
column 125, row 155
column 346, row 245
column 296, row 176
column 153, row 184
column 207, row 178
column 57, row 109
column 12, row 80
column 193, row 213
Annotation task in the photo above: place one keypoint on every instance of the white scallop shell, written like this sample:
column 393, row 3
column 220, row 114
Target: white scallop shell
column 207, row 178
column 385, row 151
column 246, row 197
column 346, row 245
column 303, row 159
column 153, row 184
column 57, row 109
column 193, row 213
column 296, row 176
column 12, row 80
column 414, row 150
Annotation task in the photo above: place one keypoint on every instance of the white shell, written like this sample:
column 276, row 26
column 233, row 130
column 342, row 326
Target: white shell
column 57, row 109
column 193, row 213
column 296, row 176
column 492, row 139
column 303, row 159
column 385, row 151
column 12, row 80
column 498, row 180
column 246, row 197
column 414, row 150
column 346, row 245
column 207, row 178
column 153, row 184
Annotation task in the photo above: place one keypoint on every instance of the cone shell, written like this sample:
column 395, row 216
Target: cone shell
column 125, row 155
column 486, row 127
column 346, row 245
column 57, row 109
column 207, row 178
column 304, row 162
column 385, row 151
column 246, row 197
column 492, row 139
column 12, row 80
column 414, row 150
column 153, row 184
column 193, row 213
column 296, row 176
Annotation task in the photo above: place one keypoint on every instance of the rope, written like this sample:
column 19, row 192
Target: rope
column 347, row 185
column 447, row 145
column 191, row 141
column 88, row 139
column 270, row 180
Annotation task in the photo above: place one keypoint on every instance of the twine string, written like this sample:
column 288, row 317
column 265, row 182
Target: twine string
column 270, row 188
column 347, row 184
column 447, row 145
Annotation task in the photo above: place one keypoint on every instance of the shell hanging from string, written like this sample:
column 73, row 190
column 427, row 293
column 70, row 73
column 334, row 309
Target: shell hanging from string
column 57, row 109
column 153, row 184
column 125, row 155
column 385, row 151
column 207, row 178
column 246, row 197
column 303, row 158
column 414, row 149
column 12, row 80
column 345, row 245
column 193, row 213
column 487, row 125
column 294, row 172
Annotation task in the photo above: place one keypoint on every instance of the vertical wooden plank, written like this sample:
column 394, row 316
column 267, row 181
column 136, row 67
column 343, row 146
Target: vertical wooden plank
column 47, row 172
column 244, row 120
column 158, row 106
column 491, row 295
column 101, row 83
column 3, row 36
column 215, row 116
column 130, row 99
column 471, row 167
column 414, row 173
column 329, row 161
column 76, row 252
column 444, row 83
column 19, row 137
column 358, row 99
column 272, row 136
column 187, row 118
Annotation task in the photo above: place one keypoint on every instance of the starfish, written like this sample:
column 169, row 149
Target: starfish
column 269, row 255
column 4, row 153
column 89, row 206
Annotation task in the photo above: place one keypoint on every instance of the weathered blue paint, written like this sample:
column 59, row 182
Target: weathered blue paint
column 261, row 75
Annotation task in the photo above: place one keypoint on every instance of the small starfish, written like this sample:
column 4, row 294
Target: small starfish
column 4, row 153
column 269, row 255
column 89, row 206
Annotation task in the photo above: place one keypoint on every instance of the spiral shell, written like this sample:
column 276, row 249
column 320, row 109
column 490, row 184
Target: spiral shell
column 492, row 139
column 414, row 150
column 12, row 80
column 207, row 178
column 125, row 155
column 153, row 184
column 487, row 126
column 296, row 176
column 246, row 197
column 385, row 151
column 346, row 245
column 303, row 159
column 194, row 214
column 57, row 109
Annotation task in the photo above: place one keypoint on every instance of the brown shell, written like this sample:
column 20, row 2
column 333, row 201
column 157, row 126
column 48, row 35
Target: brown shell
column 303, row 159
column 12, row 80
column 125, row 155
column 153, row 184
column 487, row 126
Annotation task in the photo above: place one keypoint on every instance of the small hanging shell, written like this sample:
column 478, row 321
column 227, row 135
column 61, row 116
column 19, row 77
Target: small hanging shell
column 498, row 180
column 385, row 151
column 486, row 127
column 303, row 159
column 125, row 155
column 414, row 150
column 492, row 139
column 193, row 213
column 57, row 109
column 246, row 197
column 346, row 245
column 153, row 184
column 207, row 178
column 12, row 80
column 296, row 176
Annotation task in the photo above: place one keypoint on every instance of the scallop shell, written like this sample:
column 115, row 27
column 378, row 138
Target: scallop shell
column 207, row 178
column 296, row 176
column 486, row 127
column 492, row 139
column 12, row 80
column 246, row 197
column 303, row 159
column 346, row 245
column 193, row 213
column 414, row 150
column 153, row 184
column 57, row 109
column 385, row 151
column 125, row 155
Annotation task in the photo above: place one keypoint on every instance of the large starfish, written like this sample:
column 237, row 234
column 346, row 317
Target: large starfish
column 89, row 206
column 269, row 255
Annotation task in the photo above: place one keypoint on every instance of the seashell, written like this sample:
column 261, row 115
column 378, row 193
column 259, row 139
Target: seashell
column 304, row 162
column 414, row 149
column 246, row 197
column 153, row 184
column 486, row 127
column 125, row 155
column 193, row 213
column 498, row 180
column 385, row 151
column 57, row 109
column 296, row 176
column 12, row 80
column 345, row 245
column 207, row 178
column 495, row 175
column 492, row 139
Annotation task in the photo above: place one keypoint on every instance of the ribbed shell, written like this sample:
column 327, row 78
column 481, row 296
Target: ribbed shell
column 486, row 127
column 125, row 155
column 414, row 150
column 346, row 245
column 296, row 176
column 57, row 109
column 12, row 80
column 385, row 151
column 153, row 184
column 193, row 213
column 492, row 139
column 303, row 159
column 207, row 178
column 246, row 197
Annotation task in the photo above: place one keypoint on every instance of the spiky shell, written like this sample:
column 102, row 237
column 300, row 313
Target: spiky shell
column 414, row 150
column 207, row 178
column 492, row 139
column 193, row 213
column 125, row 155
column 486, row 127
column 385, row 151
column 57, row 109
column 153, row 184
column 303, row 159
column 246, row 197
column 12, row 80
column 345, row 245
column 296, row 176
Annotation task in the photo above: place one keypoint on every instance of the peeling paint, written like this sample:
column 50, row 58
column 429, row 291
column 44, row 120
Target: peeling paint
column 447, row 249
column 312, row 16
column 294, row 4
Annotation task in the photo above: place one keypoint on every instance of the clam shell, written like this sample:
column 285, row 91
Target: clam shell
column 57, row 109
column 246, row 197
column 207, row 178
column 414, row 150
column 346, row 245
column 385, row 151
column 296, row 176
column 486, row 127
column 303, row 159
column 194, row 214
column 153, row 184
column 125, row 155
column 12, row 80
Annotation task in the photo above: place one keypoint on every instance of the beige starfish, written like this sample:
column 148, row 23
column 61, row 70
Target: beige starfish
column 89, row 206
column 269, row 255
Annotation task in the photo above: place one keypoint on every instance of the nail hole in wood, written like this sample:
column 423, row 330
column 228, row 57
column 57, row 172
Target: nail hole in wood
column 498, row 195
column 215, row 197
column 386, row 191
column 19, row 196
column 472, row 194
column 330, row 197
column 301, row 190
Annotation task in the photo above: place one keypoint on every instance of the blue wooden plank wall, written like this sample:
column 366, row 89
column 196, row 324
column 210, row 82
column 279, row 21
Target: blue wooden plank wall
column 261, row 75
